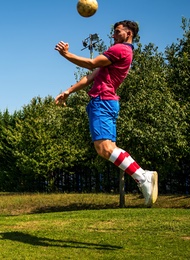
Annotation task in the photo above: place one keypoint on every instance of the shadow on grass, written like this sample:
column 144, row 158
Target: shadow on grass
column 79, row 206
column 48, row 242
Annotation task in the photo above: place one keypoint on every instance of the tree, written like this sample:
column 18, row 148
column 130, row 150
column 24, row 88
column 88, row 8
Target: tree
column 36, row 151
column 178, row 78
column 152, row 123
column 8, row 169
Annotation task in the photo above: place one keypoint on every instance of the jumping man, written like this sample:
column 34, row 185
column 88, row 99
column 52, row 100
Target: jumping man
column 108, row 72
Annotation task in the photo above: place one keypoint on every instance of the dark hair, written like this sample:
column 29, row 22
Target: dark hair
column 133, row 26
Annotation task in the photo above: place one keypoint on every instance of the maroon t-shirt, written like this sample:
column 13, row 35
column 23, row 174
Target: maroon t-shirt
column 110, row 77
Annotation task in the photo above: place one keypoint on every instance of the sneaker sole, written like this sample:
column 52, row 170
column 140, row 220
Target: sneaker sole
column 154, row 195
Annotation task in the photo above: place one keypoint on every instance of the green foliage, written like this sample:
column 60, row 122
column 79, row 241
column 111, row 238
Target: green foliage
column 178, row 57
column 152, row 122
column 35, row 149
column 8, row 169
column 178, row 78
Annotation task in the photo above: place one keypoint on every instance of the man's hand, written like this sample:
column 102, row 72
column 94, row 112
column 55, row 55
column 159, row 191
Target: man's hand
column 62, row 48
column 60, row 99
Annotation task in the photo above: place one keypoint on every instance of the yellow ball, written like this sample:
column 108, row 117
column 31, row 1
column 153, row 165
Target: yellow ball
column 87, row 8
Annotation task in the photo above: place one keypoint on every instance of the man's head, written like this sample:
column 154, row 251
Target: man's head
column 125, row 31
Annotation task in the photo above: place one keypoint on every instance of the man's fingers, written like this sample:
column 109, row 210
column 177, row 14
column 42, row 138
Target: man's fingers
column 60, row 99
column 61, row 45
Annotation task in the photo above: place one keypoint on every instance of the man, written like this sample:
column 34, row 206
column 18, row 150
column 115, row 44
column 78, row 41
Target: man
column 108, row 72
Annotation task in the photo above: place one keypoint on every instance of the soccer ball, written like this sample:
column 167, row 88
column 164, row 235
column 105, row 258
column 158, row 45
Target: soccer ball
column 87, row 8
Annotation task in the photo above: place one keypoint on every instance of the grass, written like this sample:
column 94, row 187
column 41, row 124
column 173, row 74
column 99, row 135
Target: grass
column 92, row 226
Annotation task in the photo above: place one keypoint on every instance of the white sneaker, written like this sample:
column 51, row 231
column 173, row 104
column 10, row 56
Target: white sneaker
column 149, row 188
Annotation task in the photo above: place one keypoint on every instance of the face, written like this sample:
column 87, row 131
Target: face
column 121, row 34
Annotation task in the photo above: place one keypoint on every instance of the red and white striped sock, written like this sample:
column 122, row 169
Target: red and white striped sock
column 125, row 162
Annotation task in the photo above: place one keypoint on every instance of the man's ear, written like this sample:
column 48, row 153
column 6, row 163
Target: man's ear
column 129, row 33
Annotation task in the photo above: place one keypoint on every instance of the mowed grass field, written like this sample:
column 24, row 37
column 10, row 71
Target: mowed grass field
column 92, row 226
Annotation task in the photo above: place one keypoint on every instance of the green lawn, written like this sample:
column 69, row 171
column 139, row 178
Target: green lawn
column 53, row 230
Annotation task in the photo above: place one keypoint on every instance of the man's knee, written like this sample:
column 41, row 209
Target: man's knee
column 101, row 151
column 104, row 148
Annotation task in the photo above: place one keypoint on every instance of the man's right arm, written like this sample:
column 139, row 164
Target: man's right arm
column 87, row 63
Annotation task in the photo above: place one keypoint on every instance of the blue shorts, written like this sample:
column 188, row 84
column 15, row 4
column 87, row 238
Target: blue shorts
column 102, row 116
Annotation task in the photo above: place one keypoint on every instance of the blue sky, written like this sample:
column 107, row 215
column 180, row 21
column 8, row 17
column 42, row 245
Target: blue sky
column 29, row 31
